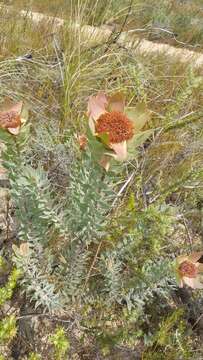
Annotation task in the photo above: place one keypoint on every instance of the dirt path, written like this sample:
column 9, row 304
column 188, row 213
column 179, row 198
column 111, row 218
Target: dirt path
column 95, row 35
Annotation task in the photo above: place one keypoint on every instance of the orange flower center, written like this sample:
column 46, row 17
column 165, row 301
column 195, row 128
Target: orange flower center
column 116, row 125
column 9, row 119
column 188, row 269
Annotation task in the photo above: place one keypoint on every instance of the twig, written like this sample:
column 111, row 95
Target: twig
column 115, row 39
column 93, row 263
column 123, row 188
column 174, row 36
column 7, row 217
column 196, row 322
column 187, row 230
column 56, row 49
column 52, row 318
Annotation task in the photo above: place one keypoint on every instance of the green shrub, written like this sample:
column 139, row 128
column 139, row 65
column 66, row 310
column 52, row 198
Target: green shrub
column 60, row 343
column 8, row 329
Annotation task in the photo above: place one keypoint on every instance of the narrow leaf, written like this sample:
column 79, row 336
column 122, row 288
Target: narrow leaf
column 140, row 115
column 96, row 147
column 104, row 137
column 116, row 102
column 5, row 136
column 139, row 139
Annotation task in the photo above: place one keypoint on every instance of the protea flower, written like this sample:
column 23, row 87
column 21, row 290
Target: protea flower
column 190, row 270
column 12, row 118
column 110, row 123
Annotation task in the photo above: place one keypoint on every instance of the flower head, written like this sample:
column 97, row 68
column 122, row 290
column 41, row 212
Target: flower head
column 190, row 270
column 116, row 125
column 106, row 116
column 11, row 119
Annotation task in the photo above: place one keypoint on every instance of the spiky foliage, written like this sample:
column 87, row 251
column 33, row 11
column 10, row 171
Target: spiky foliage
column 88, row 199
column 130, row 275
column 35, row 217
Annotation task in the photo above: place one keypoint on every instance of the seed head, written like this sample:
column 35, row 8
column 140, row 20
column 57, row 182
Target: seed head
column 116, row 125
column 188, row 269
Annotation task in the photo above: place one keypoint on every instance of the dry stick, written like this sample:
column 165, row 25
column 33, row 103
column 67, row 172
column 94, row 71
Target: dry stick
column 198, row 320
column 187, row 231
column 123, row 188
column 93, row 263
column 7, row 217
column 125, row 39
column 115, row 39
column 52, row 318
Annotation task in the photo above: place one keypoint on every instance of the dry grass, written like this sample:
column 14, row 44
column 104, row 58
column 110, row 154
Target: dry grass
column 177, row 22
